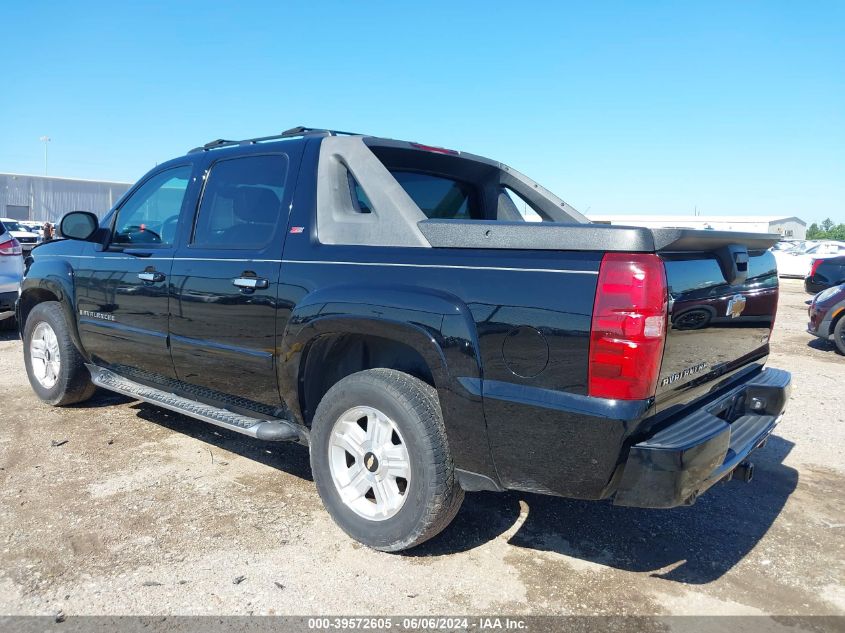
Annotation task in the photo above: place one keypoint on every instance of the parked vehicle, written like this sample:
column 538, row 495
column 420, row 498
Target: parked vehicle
column 797, row 263
column 32, row 227
column 27, row 239
column 387, row 304
column 825, row 273
column 785, row 245
column 11, row 273
column 826, row 311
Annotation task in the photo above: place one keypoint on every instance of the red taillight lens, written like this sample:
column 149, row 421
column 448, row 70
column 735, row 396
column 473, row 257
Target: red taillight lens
column 629, row 326
column 10, row 247
column 815, row 267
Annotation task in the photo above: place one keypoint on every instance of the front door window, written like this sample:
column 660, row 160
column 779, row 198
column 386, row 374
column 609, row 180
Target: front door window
column 150, row 216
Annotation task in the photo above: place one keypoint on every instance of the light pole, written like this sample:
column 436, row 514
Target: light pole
column 45, row 140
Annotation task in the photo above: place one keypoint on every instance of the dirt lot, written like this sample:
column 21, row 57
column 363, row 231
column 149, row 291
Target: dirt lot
column 146, row 512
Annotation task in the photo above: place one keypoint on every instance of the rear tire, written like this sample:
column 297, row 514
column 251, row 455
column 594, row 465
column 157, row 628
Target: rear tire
column 378, row 436
column 54, row 366
column 839, row 335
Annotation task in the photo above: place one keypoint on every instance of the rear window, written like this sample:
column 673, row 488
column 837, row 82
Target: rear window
column 439, row 197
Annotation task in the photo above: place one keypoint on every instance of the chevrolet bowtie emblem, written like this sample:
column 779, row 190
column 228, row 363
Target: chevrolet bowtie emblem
column 370, row 461
column 736, row 305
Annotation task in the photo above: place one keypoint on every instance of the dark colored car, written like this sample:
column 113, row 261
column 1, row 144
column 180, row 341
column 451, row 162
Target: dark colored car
column 825, row 273
column 827, row 316
column 390, row 305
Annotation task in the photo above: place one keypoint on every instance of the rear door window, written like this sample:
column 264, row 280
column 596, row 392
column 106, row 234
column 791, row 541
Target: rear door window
column 241, row 205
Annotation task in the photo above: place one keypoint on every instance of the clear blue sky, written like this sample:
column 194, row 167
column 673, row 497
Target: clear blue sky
column 658, row 107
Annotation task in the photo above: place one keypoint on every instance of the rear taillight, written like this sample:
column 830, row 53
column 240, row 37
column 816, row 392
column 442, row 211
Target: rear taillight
column 10, row 247
column 628, row 327
column 815, row 266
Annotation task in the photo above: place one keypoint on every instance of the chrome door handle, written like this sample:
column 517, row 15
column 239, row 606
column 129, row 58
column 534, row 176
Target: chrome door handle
column 250, row 283
column 151, row 276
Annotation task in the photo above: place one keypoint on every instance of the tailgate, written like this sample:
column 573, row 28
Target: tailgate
column 722, row 305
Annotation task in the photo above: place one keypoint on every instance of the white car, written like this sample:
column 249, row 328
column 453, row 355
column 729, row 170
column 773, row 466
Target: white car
column 797, row 262
column 33, row 227
column 27, row 239
column 11, row 273
column 788, row 245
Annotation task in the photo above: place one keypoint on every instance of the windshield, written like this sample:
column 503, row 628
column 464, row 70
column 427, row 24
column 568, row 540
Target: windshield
column 13, row 226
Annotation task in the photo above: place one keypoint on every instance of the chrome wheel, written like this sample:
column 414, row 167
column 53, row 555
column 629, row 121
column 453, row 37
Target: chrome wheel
column 369, row 463
column 45, row 355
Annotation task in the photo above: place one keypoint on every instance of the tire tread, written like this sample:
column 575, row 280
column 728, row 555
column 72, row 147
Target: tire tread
column 444, row 495
column 75, row 384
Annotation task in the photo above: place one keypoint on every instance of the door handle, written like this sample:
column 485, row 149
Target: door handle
column 250, row 283
column 153, row 276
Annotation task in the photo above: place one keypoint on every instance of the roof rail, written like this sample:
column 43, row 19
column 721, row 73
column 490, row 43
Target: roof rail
column 291, row 133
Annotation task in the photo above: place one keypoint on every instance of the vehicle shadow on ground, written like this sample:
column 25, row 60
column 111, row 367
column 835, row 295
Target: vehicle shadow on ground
column 822, row 345
column 696, row 544
column 290, row 458
column 9, row 335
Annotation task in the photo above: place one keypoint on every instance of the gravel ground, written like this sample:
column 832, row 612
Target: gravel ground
column 140, row 511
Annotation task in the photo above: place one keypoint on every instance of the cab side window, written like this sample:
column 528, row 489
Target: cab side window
column 241, row 205
column 151, row 214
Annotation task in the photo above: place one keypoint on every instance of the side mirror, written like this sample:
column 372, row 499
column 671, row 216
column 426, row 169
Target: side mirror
column 78, row 225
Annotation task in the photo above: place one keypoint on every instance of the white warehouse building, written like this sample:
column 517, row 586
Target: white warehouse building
column 789, row 228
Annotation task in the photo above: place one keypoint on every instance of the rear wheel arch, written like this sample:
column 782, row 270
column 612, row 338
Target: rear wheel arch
column 335, row 351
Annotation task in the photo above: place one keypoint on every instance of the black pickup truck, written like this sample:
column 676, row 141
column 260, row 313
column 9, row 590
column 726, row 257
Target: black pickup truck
column 427, row 321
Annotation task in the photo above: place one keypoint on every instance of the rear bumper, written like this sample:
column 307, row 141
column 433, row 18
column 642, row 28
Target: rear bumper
column 821, row 320
column 680, row 462
column 812, row 285
column 7, row 304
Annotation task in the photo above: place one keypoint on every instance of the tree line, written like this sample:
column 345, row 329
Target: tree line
column 827, row 230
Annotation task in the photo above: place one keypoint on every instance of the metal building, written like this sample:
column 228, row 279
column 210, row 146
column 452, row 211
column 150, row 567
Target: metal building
column 47, row 199
column 788, row 227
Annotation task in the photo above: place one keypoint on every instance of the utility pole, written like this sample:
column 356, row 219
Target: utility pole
column 45, row 140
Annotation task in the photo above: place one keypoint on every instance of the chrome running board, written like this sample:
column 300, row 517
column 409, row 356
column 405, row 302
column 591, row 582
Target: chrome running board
column 262, row 429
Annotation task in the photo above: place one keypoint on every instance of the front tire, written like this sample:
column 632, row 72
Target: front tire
column 54, row 366
column 381, row 460
column 839, row 335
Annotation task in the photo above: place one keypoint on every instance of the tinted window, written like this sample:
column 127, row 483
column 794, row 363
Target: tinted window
column 360, row 200
column 242, row 202
column 151, row 214
column 439, row 197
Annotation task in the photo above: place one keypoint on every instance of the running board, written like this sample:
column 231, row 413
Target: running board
column 262, row 429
